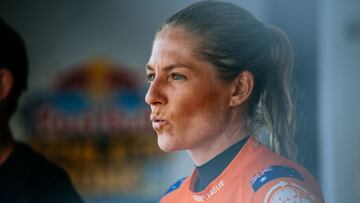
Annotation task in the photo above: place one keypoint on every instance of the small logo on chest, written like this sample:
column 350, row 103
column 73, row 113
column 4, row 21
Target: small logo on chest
column 209, row 194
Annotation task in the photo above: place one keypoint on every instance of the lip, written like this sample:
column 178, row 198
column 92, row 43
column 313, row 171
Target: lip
column 158, row 122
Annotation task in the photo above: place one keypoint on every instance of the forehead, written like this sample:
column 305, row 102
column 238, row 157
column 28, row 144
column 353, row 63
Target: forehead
column 173, row 44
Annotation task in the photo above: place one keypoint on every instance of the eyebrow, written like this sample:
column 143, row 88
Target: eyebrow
column 170, row 67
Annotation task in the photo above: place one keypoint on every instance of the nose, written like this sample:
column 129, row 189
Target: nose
column 155, row 94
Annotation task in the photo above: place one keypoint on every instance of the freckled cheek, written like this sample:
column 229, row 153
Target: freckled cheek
column 182, row 111
column 193, row 112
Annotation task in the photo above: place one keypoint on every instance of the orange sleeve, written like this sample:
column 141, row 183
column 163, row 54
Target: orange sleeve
column 284, row 183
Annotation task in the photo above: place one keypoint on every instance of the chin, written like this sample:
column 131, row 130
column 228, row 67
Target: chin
column 166, row 144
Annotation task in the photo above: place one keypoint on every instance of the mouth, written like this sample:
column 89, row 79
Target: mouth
column 158, row 123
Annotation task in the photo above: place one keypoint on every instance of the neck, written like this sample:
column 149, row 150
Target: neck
column 207, row 151
column 213, row 168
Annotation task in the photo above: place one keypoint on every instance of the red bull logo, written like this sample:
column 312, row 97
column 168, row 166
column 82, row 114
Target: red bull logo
column 95, row 124
column 91, row 99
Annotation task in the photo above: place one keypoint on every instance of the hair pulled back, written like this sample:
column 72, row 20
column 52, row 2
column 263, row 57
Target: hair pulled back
column 233, row 40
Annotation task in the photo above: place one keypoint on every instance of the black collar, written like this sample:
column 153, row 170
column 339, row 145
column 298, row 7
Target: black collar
column 213, row 168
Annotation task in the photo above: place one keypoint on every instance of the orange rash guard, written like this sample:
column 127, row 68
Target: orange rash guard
column 255, row 175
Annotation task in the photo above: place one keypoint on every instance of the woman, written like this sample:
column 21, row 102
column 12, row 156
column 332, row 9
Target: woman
column 218, row 77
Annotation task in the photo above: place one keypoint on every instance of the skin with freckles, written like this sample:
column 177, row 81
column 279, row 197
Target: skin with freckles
column 192, row 109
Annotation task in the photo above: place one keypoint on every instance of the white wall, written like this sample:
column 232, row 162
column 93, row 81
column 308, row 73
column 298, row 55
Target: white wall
column 339, row 88
column 61, row 33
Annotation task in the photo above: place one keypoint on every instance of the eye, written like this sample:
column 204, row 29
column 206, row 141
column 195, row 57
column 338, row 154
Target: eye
column 176, row 76
column 150, row 77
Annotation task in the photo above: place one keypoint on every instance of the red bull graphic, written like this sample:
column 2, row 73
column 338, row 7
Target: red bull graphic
column 95, row 123
column 93, row 99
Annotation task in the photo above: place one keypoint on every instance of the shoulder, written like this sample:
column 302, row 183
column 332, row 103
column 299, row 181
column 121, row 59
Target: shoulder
column 273, row 172
column 272, row 177
column 35, row 163
column 175, row 186
column 45, row 179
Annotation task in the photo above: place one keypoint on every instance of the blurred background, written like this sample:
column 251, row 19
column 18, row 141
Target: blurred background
column 84, row 107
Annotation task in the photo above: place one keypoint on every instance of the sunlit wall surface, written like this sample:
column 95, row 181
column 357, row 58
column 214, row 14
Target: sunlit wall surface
column 77, row 118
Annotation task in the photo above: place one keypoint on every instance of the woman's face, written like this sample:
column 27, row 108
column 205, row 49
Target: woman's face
column 189, row 104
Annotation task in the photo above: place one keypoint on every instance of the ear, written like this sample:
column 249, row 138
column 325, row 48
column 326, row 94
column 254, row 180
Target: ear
column 6, row 83
column 242, row 88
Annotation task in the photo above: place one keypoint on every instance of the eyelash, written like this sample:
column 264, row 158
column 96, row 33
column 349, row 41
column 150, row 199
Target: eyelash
column 174, row 75
column 151, row 76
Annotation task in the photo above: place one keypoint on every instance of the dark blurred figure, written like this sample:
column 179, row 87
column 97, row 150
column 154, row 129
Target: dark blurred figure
column 25, row 175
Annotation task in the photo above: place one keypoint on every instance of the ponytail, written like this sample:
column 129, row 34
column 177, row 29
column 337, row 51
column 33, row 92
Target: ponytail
column 276, row 105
